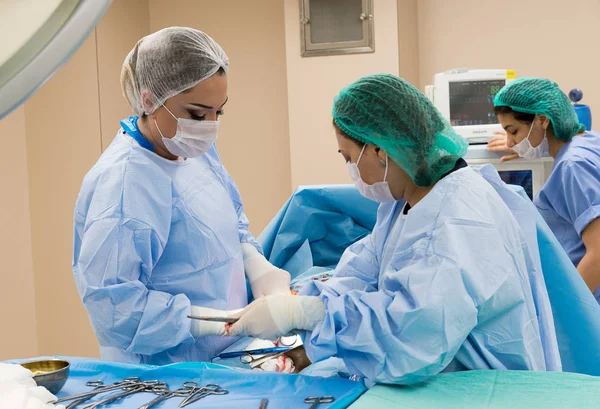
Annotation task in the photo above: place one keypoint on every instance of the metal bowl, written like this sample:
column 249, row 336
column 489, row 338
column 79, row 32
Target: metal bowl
column 52, row 374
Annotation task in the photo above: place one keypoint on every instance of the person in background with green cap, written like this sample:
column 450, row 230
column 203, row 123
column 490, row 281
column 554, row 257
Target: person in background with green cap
column 445, row 282
column 539, row 120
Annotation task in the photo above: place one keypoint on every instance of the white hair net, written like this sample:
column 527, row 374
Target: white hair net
column 166, row 63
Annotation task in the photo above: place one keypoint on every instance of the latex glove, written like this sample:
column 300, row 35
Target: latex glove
column 264, row 277
column 276, row 315
column 276, row 281
column 200, row 328
column 498, row 144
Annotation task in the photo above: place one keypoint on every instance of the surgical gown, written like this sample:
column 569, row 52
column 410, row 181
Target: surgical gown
column 444, row 287
column 152, row 237
column 570, row 199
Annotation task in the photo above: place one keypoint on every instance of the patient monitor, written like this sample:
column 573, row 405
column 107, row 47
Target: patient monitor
column 465, row 97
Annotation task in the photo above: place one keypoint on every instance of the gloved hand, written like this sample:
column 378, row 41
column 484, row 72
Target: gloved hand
column 276, row 315
column 264, row 277
column 276, row 281
column 200, row 328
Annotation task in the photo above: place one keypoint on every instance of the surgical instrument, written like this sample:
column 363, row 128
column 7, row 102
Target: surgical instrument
column 199, row 393
column 316, row 401
column 249, row 359
column 254, row 362
column 280, row 341
column 215, row 319
column 115, row 386
column 259, row 351
column 96, row 384
column 186, row 389
column 147, row 386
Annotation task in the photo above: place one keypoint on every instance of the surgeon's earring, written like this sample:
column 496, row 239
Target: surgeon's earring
column 382, row 162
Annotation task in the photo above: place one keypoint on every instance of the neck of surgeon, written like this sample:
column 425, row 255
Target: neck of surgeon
column 414, row 194
column 554, row 144
column 403, row 187
column 147, row 132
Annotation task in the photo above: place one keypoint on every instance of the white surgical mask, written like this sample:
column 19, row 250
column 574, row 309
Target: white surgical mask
column 378, row 192
column 526, row 151
column 192, row 139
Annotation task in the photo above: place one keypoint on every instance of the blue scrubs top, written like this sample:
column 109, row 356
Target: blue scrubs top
column 570, row 199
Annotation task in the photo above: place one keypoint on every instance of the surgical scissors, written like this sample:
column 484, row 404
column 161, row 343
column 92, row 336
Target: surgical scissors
column 199, row 393
column 257, row 351
column 254, row 362
column 146, row 386
column 100, row 389
column 96, row 384
column 250, row 357
column 316, row 401
column 186, row 389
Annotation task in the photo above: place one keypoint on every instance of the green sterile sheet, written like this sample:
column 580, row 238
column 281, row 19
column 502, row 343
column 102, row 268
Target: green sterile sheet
column 489, row 390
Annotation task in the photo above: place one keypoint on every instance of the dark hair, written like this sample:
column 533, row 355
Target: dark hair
column 345, row 135
column 519, row 116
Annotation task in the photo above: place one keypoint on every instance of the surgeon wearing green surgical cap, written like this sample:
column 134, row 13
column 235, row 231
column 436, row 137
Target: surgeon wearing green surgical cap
column 446, row 280
column 539, row 121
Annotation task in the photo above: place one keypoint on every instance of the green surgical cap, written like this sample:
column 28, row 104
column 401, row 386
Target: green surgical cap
column 389, row 112
column 539, row 96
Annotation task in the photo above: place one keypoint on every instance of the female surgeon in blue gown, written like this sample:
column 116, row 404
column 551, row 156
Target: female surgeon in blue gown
column 539, row 121
column 160, row 230
column 447, row 280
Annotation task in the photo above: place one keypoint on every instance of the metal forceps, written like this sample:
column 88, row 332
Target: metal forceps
column 146, row 386
column 316, row 401
column 100, row 389
column 186, row 389
column 254, row 362
column 253, row 357
column 249, row 359
column 199, row 393
column 96, row 384
column 258, row 351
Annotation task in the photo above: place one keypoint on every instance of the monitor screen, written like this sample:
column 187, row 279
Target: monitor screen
column 472, row 102
column 522, row 178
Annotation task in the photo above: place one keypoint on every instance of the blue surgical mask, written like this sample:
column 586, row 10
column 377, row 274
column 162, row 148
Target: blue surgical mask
column 378, row 192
